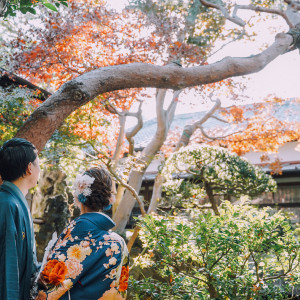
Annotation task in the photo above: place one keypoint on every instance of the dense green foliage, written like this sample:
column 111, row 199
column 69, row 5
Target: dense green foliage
column 226, row 173
column 16, row 105
column 24, row 6
column 245, row 253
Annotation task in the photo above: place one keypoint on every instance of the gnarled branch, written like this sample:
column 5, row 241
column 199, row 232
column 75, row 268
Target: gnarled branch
column 49, row 116
column 265, row 10
column 136, row 128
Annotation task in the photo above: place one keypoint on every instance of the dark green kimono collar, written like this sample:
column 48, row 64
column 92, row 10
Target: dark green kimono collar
column 11, row 187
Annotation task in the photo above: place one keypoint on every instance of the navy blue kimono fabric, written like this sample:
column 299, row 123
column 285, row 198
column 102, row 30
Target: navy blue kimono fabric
column 95, row 261
column 17, row 246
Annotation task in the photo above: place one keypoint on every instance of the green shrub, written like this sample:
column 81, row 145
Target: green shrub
column 245, row 253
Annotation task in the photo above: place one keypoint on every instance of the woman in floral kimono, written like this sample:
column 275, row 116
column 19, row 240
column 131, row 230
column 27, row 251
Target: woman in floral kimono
column 88, row 261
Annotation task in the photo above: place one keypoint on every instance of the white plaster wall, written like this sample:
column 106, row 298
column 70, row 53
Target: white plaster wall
column 288, row 153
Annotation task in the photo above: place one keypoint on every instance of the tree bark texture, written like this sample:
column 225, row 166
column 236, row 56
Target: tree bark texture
column 156, row 194
column 211, row 198
column 48, row 117
column 127, row 203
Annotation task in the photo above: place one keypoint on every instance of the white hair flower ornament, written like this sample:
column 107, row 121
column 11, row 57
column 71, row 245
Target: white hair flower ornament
column 82, row 187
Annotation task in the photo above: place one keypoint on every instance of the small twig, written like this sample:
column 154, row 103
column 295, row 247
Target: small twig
column 217, row 137
column 111, row 108
column 64, row 65
column 265, row 10
column 226, row 44
column 219, row 119
column 142, row 253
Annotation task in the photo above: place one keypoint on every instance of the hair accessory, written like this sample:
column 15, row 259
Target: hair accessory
column 107, row 207
column 82, row 187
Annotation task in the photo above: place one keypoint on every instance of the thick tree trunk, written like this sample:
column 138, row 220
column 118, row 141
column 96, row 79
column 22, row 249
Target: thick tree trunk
column 127, row 203
column 212, row 291
column 116, row 158
column 156, row 194
column 119, row 196
column 211, row 198
column 164, row 119
column 48, row 117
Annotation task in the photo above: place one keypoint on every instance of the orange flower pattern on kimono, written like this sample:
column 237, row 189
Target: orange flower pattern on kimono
column 95, row 262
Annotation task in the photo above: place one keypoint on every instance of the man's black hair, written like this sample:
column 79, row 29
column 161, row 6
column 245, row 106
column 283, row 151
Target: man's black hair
column 15, row 155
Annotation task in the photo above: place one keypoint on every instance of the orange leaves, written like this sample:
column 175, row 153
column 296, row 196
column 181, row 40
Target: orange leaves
column 264, row 158
column 152, row 44
column 261, row 129
column 237, row 114
column 234, row 114
column 276, row 167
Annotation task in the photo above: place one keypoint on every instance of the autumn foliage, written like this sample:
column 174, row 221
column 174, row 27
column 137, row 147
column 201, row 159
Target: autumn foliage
column 264, row 126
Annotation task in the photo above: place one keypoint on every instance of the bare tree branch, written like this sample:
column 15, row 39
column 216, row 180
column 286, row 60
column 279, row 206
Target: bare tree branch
column 133, row 238
column 172, row 107
column 130, row 188
column 219, row 119
column 40, row 126
column 117, row 152
column 226, row 44
column 265, row 10
column 235, row 19
column 217, row 137
column 111, row 108
column 188, row 130
column 136, row 128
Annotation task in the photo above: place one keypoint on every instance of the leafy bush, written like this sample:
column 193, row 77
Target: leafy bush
column 225, row 172
column 244, row 253
column 15, row 107
column 215, row 173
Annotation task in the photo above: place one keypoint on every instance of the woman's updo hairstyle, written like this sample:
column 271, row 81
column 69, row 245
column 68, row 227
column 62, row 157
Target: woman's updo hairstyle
column 101, row 189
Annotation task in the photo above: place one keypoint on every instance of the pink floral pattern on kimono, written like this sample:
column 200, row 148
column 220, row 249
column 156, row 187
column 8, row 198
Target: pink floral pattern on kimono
column 94, row 256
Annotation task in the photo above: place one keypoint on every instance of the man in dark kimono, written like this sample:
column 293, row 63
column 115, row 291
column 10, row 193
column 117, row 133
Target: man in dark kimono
column 19, row 170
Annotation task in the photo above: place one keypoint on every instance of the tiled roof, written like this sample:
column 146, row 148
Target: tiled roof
column 284, row 112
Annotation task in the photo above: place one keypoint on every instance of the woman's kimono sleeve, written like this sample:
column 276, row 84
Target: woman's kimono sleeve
column 84, row 259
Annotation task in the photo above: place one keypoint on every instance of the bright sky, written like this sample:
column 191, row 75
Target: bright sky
column 280, row 77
